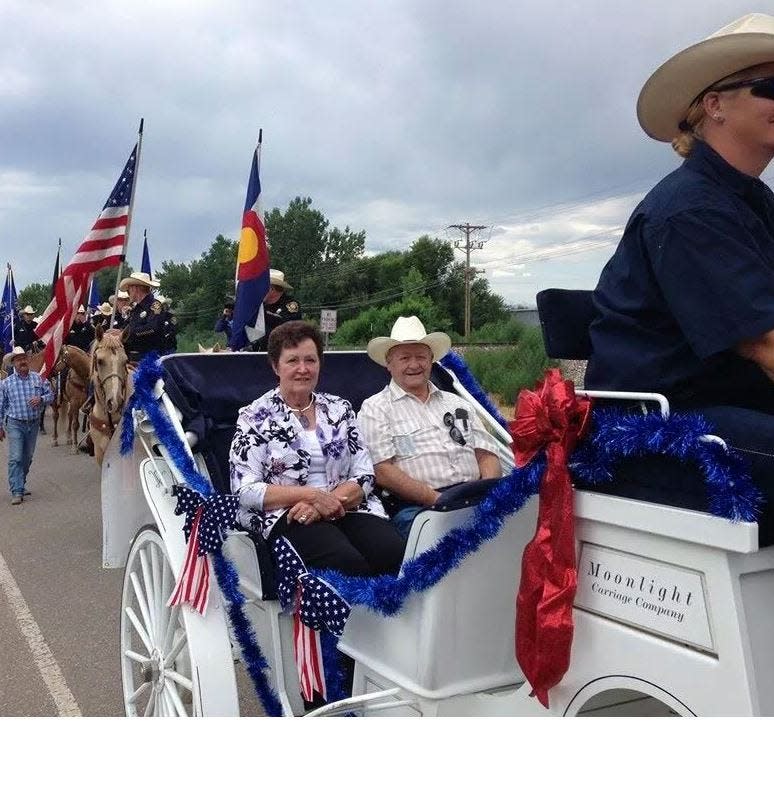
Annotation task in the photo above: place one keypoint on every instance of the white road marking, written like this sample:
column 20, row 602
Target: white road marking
column 42, row 656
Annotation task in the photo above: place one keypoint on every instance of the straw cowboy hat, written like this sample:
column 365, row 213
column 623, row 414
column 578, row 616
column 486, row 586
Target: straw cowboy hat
column 139, row 279
column 105, row 309
column 408, row 329
column 28, row 309
column 668, row 94
column 277, row 278
column 121, row 296
column 17, row 351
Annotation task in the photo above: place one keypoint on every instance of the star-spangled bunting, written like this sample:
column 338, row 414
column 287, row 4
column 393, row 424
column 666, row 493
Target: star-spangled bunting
column 316, row 606
column 206, row 519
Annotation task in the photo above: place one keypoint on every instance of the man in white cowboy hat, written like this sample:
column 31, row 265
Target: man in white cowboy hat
column 685, row 306
column 278, row 307
column 123, row 308
column 144, row 332
column 102, row 315
column 82, row 332
column 421, row 439
column 24, row 329
column 22, row 397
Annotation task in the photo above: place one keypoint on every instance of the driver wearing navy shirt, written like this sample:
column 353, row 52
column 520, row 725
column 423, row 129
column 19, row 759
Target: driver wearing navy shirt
column 685, row 306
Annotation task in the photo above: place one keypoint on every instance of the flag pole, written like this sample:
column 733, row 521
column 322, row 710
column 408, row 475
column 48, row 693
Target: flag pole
column 10, row 303
column 128, row 223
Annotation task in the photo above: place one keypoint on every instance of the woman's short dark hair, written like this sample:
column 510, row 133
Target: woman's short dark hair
column 289, row 335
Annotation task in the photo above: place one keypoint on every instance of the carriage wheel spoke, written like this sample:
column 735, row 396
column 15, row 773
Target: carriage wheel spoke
column 150, row 594
column 140, row 595
column 133, row 655
column 132, row 616
column 158, row 590
column 178, row 678
column 174, row 698
column 139, row 691
column 176, row 649
column 169, row 633
column 150, row 709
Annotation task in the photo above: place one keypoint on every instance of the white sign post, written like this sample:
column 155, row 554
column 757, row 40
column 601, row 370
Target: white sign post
column 327, row 324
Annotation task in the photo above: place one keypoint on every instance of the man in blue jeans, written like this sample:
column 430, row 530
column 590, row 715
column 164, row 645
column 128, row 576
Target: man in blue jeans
column 22, row 398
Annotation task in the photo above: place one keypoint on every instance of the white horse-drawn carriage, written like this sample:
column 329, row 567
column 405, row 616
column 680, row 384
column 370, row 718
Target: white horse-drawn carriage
column 671, row 615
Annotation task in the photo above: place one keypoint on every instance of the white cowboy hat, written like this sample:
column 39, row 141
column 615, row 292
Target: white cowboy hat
column 668, row 94
column 408, row 329
column 140, row 279
column 105, row 309
column 81, row 309
column 277, row 278
column 28, row 309
column 121, row 296
column 17, row 351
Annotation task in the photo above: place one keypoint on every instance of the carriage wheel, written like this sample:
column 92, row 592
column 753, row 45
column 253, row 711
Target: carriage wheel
column 156, row 668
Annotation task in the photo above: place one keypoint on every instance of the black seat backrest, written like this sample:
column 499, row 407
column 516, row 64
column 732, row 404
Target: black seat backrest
column 565, row 318
column 209, row 390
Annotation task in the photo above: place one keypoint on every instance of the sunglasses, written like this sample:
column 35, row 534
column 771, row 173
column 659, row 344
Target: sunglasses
column 454, row 431
column 760, row 87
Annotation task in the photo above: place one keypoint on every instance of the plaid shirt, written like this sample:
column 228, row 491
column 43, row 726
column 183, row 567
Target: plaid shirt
column 15, row 393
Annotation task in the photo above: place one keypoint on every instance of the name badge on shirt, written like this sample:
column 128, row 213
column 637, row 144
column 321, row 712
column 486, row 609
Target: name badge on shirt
column 404, row 445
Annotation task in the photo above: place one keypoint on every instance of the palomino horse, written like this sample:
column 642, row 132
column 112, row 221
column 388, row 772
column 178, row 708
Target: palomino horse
column 110, row 380
column 75, row 389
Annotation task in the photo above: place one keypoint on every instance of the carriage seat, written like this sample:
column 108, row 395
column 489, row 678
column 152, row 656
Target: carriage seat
column 565, row 319
column 209, row 390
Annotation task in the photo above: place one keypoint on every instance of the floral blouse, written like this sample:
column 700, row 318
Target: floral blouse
column 267, row 450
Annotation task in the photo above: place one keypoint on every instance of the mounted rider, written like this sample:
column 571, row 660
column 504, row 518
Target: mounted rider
column 82, row 332
column 24, row 330
column 278, row 307
column 145, row 331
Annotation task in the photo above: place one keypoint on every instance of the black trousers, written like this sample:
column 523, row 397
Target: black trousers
column 357, row 544
column 750, row 433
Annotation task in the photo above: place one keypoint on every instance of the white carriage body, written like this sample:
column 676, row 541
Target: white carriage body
column 695, row 633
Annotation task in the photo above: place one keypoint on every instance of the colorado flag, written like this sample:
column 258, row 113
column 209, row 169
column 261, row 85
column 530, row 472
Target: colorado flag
column 252, row 274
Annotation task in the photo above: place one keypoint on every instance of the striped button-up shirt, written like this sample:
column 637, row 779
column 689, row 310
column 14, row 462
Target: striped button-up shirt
column 396, row 424
column 15, row 394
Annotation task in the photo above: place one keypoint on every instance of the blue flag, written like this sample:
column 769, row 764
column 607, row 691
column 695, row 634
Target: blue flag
column 252, row 270
column 7, row 312
column 145, row 268
column 94, row 298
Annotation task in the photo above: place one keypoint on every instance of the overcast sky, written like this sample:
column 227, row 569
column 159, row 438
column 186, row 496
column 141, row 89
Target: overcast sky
column 397, row 118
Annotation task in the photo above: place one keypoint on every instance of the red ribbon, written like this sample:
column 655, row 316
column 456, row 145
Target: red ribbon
column 550, row 418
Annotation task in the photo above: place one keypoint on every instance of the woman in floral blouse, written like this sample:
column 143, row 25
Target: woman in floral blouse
column 302, row 471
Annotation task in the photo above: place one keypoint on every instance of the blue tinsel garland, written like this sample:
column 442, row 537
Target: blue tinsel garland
column 454, row 362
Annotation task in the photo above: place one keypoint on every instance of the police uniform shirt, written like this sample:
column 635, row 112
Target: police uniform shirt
column 692, row 277
column 286, row 309
column 24, row 334
column 80, row 335
column 120, row 320
column 145, row 330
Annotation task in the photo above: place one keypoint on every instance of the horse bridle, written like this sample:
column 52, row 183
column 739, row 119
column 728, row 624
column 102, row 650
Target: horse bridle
column 102, row 382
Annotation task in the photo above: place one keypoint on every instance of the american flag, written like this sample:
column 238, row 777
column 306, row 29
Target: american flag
column 102, row 247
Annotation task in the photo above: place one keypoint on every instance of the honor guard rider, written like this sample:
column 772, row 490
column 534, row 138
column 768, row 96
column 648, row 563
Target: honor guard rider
column 278, row 307
column 123, row 309
column 170, row 325
column 24, row 330
column 145, row 331
column 82, row 332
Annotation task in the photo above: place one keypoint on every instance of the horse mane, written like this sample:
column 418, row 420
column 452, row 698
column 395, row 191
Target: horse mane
column 111, row 340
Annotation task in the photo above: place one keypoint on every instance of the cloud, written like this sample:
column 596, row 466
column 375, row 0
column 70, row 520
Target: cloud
column 398, row 119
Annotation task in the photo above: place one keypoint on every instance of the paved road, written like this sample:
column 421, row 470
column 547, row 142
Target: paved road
column 59, row 608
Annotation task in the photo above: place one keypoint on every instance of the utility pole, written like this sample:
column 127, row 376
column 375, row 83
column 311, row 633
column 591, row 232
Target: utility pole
column 467, row 229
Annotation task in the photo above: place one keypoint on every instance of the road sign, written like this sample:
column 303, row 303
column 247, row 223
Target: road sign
column 327, row 321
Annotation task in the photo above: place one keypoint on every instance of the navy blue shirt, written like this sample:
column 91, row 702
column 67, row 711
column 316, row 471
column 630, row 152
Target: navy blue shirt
column 692, row 276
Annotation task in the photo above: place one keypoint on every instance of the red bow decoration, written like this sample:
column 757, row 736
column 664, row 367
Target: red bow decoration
column 552, row 418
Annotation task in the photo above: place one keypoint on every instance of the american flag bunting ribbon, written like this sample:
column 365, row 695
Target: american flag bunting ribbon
column 206, row 519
